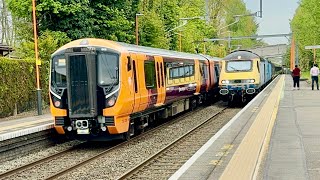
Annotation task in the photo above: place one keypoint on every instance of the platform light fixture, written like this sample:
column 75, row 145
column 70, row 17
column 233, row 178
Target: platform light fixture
column 137, row 27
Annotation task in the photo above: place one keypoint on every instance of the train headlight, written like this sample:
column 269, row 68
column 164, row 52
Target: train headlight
column 56, row 102
column 225, row 81
column 250, row 81
column 111, row 101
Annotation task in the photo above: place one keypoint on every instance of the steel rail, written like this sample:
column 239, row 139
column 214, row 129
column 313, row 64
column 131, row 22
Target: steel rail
column 142, row 164
column 67, row 170
column 40, row 161
column 90, row 159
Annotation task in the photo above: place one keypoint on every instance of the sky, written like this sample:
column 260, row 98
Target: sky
column 276, row 16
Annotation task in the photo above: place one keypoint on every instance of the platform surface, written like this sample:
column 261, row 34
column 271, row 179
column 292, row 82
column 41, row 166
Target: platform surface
column 276, row 136
column 24, row 126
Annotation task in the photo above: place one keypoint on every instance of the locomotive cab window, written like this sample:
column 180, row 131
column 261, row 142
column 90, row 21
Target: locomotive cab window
column 108, row 69
column 242, row 65
column 58, row 71
column 150, row 74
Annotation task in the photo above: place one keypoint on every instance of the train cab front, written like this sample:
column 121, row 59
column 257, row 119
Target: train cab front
column 83, row 82
column 238, row 80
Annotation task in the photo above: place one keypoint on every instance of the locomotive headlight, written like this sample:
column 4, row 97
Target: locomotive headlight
column 57, row 103
column 111, row 101
column 225, row 82
column 250, row 81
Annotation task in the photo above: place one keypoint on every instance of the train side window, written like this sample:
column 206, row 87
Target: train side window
column 258, row 66
column 158, row 73
column 161, row 73
column 216, row 69
column 201, row 70
column 191, row 70
column 205, row 71
column 186, row 71
column 149, row 74
column 135, row 76
column 174, row 72
column 128, row 63
column 181, row 73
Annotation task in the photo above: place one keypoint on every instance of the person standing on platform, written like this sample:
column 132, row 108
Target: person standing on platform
column 296, row 77
column 314, row 72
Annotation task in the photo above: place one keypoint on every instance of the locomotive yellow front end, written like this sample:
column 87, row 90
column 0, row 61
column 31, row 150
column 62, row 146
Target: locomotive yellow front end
column 240, row 77
column 84, row 90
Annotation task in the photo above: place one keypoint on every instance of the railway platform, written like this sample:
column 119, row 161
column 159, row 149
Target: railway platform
column 276, row 136
column 19, row 127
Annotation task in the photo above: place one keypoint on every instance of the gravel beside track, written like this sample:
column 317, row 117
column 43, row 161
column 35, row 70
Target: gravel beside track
column 21, row 146
column 8, row 165
column 117, row 160
column 168, row 161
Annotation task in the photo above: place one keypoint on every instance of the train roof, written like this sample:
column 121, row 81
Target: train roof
column 242, row 55
column 124, row 47
column 161, row 52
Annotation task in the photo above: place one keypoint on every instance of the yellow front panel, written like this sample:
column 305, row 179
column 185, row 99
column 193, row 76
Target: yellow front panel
column 121, row 125
column 254, row 74
column 56, row 112
column 125, row 99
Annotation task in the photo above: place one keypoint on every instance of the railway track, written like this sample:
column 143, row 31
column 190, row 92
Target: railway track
column 169, row 159
column 50, row 167
column 17, row 147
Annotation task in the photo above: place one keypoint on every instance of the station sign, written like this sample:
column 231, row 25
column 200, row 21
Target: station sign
column 312, row 47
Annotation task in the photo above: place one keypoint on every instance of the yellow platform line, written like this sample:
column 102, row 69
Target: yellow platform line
column 246, row 161
column 21, row 125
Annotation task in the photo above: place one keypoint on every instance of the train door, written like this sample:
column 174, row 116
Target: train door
column 135, row 79
column 203, row 76
column 262, row 72
column 160, row 80
column 265, row 72
column 198, row 76
column 217, row 75
column 151, row 83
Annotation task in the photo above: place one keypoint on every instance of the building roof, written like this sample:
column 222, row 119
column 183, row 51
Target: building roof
column 4, row 47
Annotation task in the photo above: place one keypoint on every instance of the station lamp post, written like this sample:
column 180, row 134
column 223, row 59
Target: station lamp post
column 38, row 62
column 137, row 28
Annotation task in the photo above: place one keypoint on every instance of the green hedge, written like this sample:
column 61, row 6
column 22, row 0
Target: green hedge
column 18, row 85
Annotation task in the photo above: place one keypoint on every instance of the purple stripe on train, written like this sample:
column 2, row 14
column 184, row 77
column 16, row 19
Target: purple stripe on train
column 174, row 93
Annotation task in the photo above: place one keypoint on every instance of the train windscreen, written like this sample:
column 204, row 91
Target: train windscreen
column 108, row 69
column 58, row 72
column 235, row 66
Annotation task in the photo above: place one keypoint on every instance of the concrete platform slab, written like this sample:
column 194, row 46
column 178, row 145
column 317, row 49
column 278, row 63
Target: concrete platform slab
column 19, row 127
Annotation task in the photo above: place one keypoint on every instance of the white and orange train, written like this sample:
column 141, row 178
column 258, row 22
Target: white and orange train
column 106, row 89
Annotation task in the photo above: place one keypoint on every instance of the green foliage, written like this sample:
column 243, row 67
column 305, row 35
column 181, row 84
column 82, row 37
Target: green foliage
column 18, row 85
column 111, row 23
column 245, row 27
column 152, row 31
column 115, row 20
column 221, row 14
column 60, row 21
column 48, row 42
column 305, row 26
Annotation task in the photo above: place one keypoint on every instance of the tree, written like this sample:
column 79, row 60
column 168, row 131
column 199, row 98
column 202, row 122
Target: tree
column 7, row 30
column 305, row 26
